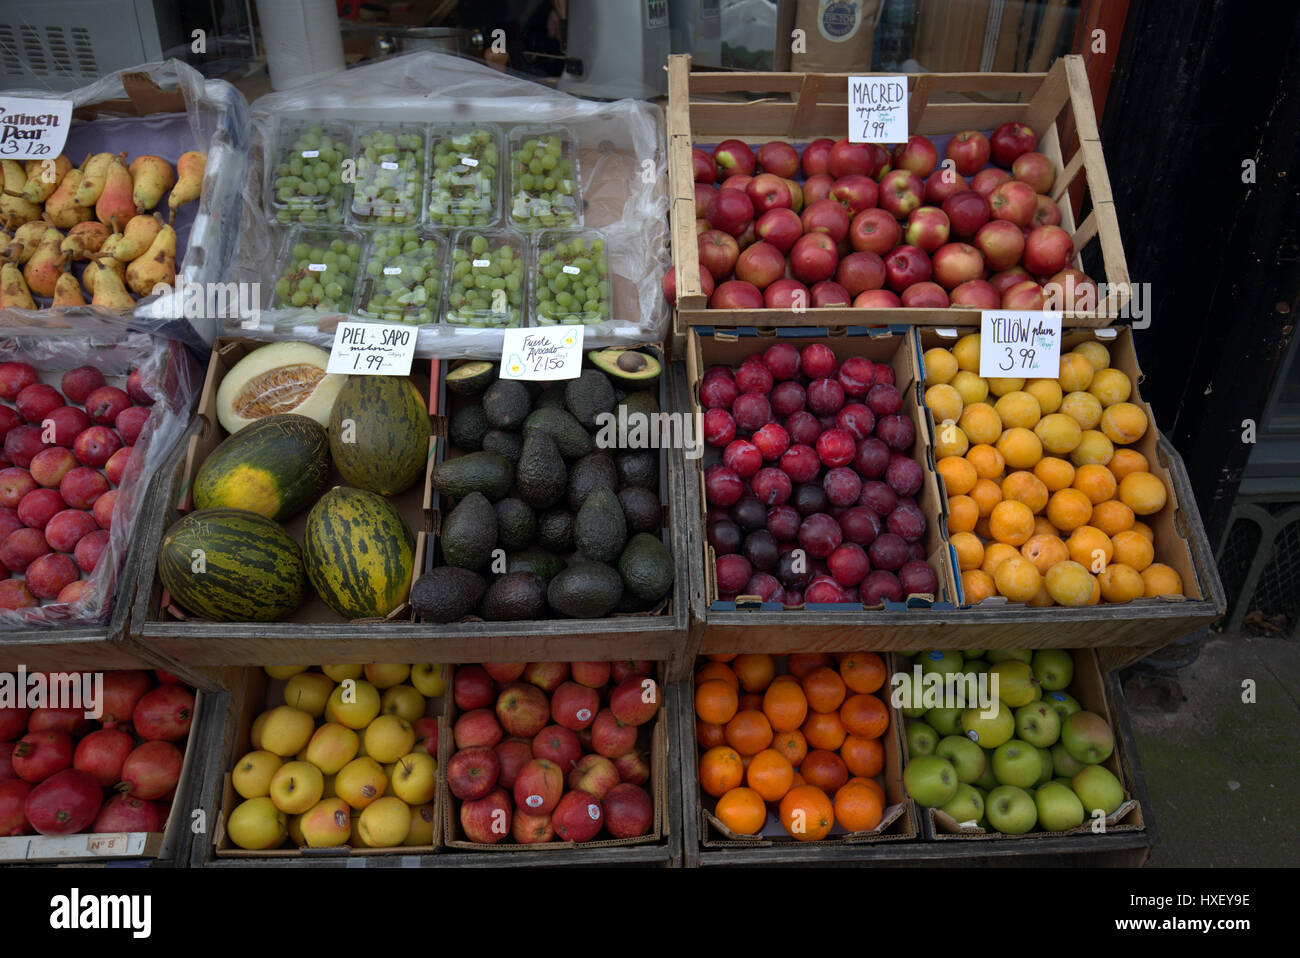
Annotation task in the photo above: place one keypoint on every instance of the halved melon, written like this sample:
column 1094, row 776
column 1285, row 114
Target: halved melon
column 279, row 378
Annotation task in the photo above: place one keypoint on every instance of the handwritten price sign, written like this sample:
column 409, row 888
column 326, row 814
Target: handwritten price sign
column 547, row 353
column 1020, row 343
column 878, row 109
column 33, row 129
column 372, row 349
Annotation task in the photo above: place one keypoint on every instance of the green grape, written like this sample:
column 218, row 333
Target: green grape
column 486, row 284
column 543, row 190
column 462, row 190
column 572, row 281
column 407, row 274
column 390, row 170
column 316, row 275
column 308, row 184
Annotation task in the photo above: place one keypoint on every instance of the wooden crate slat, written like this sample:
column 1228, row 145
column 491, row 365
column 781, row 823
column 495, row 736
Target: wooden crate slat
column 1062, row 184
column 918, row 99
column 1086, row 231
column 743, row 82
column 804, row 121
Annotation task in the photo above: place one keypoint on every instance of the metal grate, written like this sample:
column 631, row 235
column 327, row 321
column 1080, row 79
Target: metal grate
column 33, row 49
column 85, row 52
column 1277, row 597
column 1259, row 562
column 1238, row 553
column 44, row 51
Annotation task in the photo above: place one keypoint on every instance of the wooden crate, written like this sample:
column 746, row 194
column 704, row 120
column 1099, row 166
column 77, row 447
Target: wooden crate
column 799, row 107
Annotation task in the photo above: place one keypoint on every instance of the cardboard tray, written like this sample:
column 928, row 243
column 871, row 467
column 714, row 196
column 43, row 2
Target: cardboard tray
column 800, row 107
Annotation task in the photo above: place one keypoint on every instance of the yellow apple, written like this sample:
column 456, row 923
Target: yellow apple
column 388, row 738
column 360, row 782
column 327, row 824
column 387, row 675
column 415, row 779
column 1016, row 682
column 287, row 730
column 402, row 700
column 257, row 824
column 385, row 822
column 340, row 672
column 296, row 836
column 251, row 776
column 353, row 703
column 429, row 679
column 421, row 832
column 296, row 787
column 309, row 691
column 284, row 671
column 255, row 733
column 332, row 746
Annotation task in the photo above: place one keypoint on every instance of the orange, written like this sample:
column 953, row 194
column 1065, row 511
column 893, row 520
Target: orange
column 1093, row 447
column 754, row 670
column 824, row 689
column 720, row 770
column 1083, row 408
column 1017, row 408
column 1069, row 583
column 986, row 459
column 1011, row 522
column 824, row 769
column 1022, row 486
column 1124, row 423
column 981, row 423
column 823, row 730
column 1144, row 530
column 863, row 756
column 977, row 585
column 1144, row 493
column 970, row 551
column 872, row 784
column 1058, row 433
column 1160, row 579
column 1069, row 509
column 858, row 808
column 1020, row 448
column 1076, row 372
column 742, row 810
column 1110, row 386
column 709, row 735
column 1018, row 579
column 1091, row 548
column 996, row 554
column 798, row 779
column 1047, row 392
column 721, row 656
column 1057, row 474
column 958, row 475
column 1127, row 460
column 986, row 494
column 1096, row 482
column 716, row 701
column 784, row 677
column 862, row 671
column 1121, row 583
column 944, row 402
column 1095, row 352
column 717, row 670
column 864, row 715
column 751, row 702
column 1133, row 549
column 791, row 744
column 801, row 663
column 785, row 706
column 1044, row 551
column 749, row 732
column 770, row 774
column 807, row 813
column 962, row 514
column 1111, row 517
column 1001, row 386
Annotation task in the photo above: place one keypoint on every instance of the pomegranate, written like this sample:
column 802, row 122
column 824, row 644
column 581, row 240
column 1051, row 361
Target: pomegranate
column 164, row 714
column 152, row 770
column 13, row 723
column 122, row 690
column 102, row 754
column 38, row 755
column 71, row 720
column 64, row 803
column 126, row 813
column 13, row 796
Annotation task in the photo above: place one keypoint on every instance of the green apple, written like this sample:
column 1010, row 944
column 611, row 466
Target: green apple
column 966, row 806
column 1015, row 682
column 1045, row 757
column 257, row 824
column 940, row 662
column 1062, row 780
column 974, row 653
column 967, row 758
column 252, row 774
column 975, row 666
column 1086, row 735
column 987, row 780
column 1065, row 704
column 921, row 738
column 1017, row 763
column 944, row 721
column 930, row 780
column 1038, row 724
column 1011, row 810
column 429, row 679
column 1098, row 788
column 988, row 732
column 1059, row 809
column 1054, row 669
column 907, row 697
column 1010, row 655
column 1063, row 763
column 309, row 691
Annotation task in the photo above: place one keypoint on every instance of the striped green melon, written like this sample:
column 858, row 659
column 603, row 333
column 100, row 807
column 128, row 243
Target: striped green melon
column 275, row 466
column 231, row 565
column 358, row 552
column 379, row 433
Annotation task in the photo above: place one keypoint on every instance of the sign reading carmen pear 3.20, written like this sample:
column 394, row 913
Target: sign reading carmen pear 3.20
column 33, row 129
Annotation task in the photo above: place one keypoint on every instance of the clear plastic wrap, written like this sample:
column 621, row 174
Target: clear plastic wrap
column 621, row 159
column 170, row 375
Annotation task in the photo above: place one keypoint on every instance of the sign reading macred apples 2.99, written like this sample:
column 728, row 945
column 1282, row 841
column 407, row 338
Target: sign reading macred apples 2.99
column 33, row 129
column 878, row 109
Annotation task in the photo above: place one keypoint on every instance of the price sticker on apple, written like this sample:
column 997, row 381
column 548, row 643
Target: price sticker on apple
column 547, row 353
column 32, row 128
column 1020, row 343
column 372, row 349
column 878, row 109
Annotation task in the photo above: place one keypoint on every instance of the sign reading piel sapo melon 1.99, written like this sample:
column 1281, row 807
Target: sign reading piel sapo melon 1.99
column 32, row 129
column 372, row 349
column 878, row 109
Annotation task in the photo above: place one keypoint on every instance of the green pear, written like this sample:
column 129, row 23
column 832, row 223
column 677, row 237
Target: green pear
column 85, row 240
column 138, row 236
column 43, row 178
column 157, row 265
column 151, row 176
column 67, row 292
column 94, row 177
column 14, row 293
column 25, row 240
column 189, row 182
column 116, row 204
column 109, row 291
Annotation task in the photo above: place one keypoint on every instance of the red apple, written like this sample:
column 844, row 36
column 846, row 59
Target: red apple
column 787, row 294
column 594, row 675
column 95, row 446
column 901, row 191
column 733, row 156
column 917, row 154
column 846, row 158
column 880, row 160
column 855, row 193
column 924, row 296
column 747, row 238
column 817, row 187
column 1048, row 250
column 1034, row 170
column 701, row 226
column 704, row 166
column 633, row 768
column 547, row 676
column 622, row 668
column 531, row 829
column 1047, row 214
column 826, row 216
column 780, row 228
column 629, row 812
column 610, row 737
column 718, row 253
column 1009, row 141
column 736, row 294
column 703, row 193
column 977, row 293
column 1015, row 202
column 539, row 787
column 737, row 181
column 558, row 744
column 1026, row 295
column 780, row 158
column 969, row 150
column 574, row 706
column 1071, row 290
column 957, row 263
column 814, row 256
column 635, row 700
column 874, row 231
column 486, row 819
column 512, row 754
column 731, row 211
column 816, row 157
column 967, row 211
column 473, row 772
column 473, row 688
column 578, row 817
column 796, row 195
column 830, row 293
column 906, row 266
column 986, row 181
column 941, row 184
column 877, row 299
column 593, row 774
column 1005, row 279
column 861, row 271
column 477, row 728
column 504, row 672
column 768, row 192
column 761, row 265
column 522, row 710
column 927, row 228
column 1001, row 242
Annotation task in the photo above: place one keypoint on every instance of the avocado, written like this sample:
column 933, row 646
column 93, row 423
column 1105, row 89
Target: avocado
column 540, row 475
column 539, row 561
column 627, row 367
column 446, row 594
column 555, row 531
column 508, row 444
column 638, row 467
column 588, row 396
column 467, row 428
column 641, row 508
column 487, row 472
column 471, row 378
column 515, row 596
column 630, row 604
column 599, row 528
column 571, row 439
column 596, row 471
column 637, row 404
column 516, row 524
column 469, row 533
column 552, row 398
column 585, row 590
column 646, row 567
column 507, row 404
